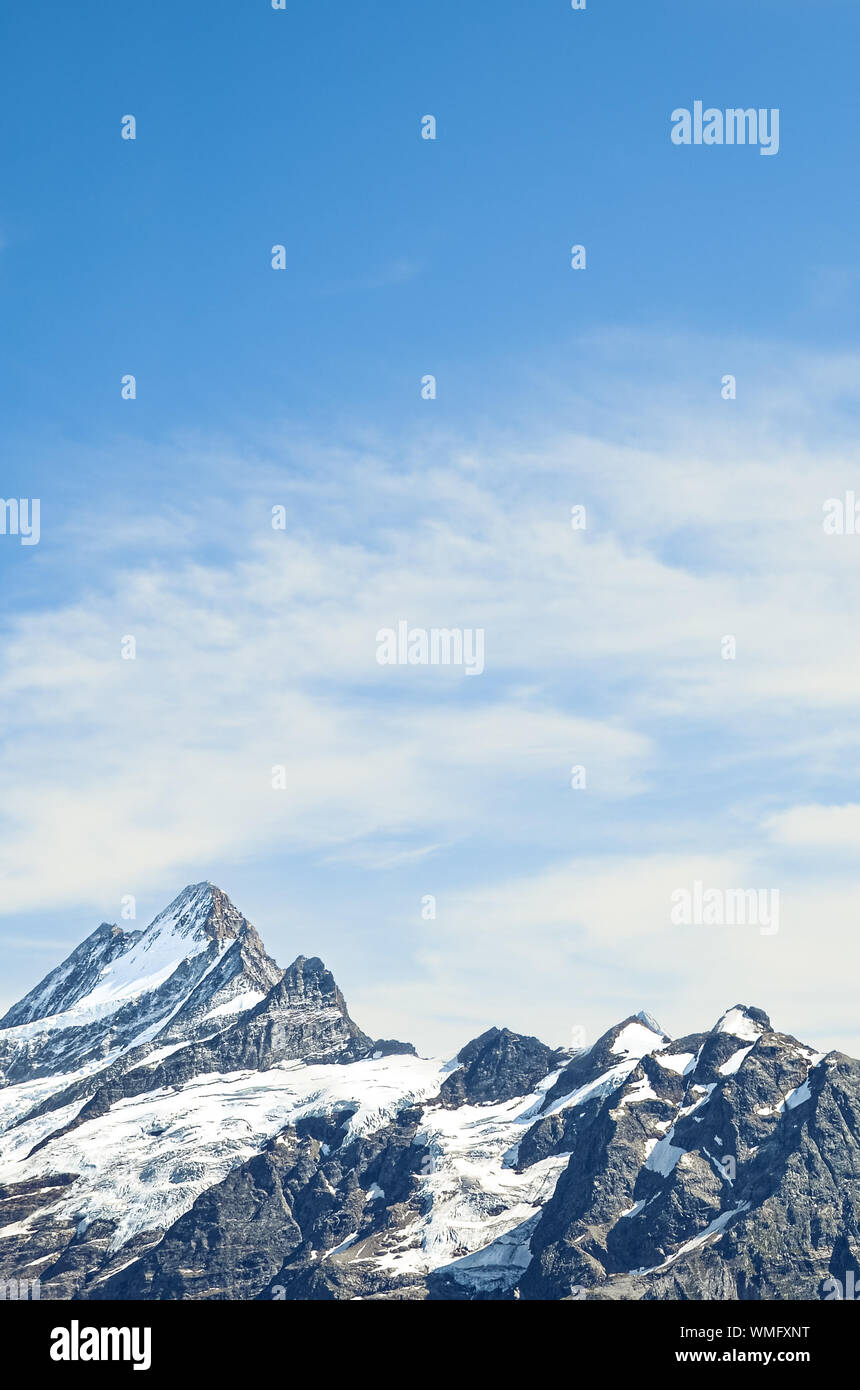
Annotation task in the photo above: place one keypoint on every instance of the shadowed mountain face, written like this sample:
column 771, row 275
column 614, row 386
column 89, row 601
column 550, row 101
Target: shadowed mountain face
column 180, row 1118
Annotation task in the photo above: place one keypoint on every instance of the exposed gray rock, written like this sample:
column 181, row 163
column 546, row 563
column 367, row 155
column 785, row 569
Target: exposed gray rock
column 497, row 1066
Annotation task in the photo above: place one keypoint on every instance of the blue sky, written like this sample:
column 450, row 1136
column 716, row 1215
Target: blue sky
column 301, row 388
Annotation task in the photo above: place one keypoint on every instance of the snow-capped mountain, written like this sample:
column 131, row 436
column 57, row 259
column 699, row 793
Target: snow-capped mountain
column 192, row 971
column 180, row 1118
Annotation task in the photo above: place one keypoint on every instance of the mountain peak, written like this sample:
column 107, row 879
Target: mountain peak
column 196, row 967
column 497, row 1066
column 68, row 983
column 743, row 1021
column 201, row 909
column 649, row 1020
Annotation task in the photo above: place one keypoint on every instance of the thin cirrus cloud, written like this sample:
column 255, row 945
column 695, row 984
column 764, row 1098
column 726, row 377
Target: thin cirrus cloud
column 119, row 770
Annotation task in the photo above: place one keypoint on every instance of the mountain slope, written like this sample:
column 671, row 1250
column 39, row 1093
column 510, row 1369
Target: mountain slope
column 182, row 1119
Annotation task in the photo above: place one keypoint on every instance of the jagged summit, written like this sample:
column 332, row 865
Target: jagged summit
column 113, row 964
column 201, row 909
column 196, row 966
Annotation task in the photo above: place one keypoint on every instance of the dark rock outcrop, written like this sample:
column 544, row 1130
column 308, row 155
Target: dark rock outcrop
column 497, row 1066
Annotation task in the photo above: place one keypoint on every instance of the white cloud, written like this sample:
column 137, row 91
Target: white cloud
column 819, row 827
column 594, row 940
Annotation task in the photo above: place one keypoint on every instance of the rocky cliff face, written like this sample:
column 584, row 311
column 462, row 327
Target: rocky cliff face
column 180, row 1118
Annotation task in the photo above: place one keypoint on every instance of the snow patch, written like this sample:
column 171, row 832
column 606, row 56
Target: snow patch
column 680, row 1062
column 663, row 1155
column 238, row 1005
column 733, row 1064
column 738, row 1024
column 636, row 1040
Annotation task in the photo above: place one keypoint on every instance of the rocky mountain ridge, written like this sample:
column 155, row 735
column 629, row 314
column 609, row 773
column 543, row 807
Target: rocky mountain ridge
column 181, row 1118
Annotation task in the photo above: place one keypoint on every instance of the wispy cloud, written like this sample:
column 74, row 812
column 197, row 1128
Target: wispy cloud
column 256, row 648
